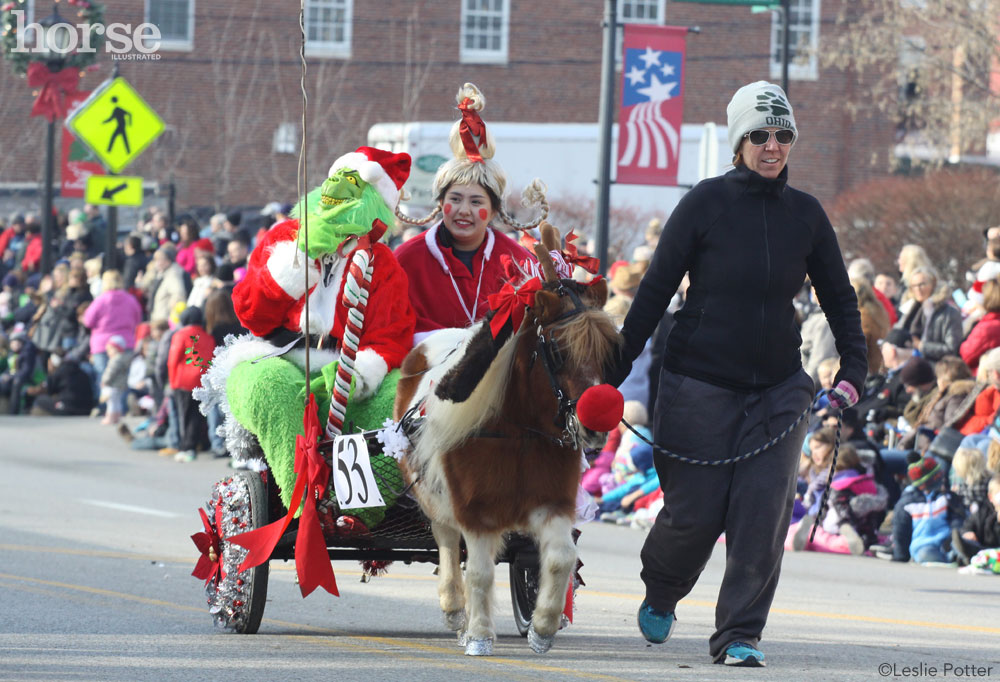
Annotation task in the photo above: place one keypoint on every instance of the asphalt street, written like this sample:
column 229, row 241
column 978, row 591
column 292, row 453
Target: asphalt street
column 96, row 556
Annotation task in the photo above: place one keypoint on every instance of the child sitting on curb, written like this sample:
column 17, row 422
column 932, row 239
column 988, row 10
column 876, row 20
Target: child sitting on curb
column 856, row 508
column 981, row 530
column 925, row 516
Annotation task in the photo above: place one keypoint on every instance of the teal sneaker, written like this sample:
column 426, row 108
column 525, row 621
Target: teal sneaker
column 655, row 625
column 742, row 655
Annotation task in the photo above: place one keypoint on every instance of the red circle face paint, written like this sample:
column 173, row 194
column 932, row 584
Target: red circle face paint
column 483, row 213
column 446, row 208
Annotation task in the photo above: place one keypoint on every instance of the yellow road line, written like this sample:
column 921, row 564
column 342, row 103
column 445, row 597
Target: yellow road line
column 820, row 614
column 587, row 592
column 385, row 641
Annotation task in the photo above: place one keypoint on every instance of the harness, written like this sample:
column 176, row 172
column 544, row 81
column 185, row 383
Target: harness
column 547, row 348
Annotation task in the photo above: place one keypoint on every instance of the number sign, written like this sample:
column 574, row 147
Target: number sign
column 353, row 479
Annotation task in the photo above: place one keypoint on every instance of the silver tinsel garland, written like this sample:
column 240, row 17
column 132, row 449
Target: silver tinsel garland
column 226, row 598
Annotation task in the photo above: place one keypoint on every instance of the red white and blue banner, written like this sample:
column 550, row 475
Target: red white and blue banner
column 649, row 124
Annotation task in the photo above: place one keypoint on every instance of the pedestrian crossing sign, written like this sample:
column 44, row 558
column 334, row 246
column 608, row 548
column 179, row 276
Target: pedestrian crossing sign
column 116, row 123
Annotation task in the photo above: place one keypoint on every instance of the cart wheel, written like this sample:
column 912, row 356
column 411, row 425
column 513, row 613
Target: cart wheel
column 237, row 601
column 523, row 591
column 254, row 579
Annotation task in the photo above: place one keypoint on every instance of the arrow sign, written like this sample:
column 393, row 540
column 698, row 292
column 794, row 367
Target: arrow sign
column 114, row 190
column 109, row 192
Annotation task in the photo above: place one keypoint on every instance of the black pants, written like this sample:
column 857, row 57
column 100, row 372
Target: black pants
column 751, row 500
column 191, row 422
column 48, row 405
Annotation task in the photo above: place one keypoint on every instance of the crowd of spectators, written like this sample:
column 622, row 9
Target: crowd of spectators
column 86, row 339
column 916, row 476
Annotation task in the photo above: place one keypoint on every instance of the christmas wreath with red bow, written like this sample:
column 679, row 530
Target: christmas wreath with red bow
column 87, row 13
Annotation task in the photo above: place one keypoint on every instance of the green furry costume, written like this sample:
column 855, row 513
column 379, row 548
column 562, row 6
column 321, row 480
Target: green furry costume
column 265, row 390
column 275, row 417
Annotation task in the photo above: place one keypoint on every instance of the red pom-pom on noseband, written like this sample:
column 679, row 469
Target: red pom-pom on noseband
column 600, row 408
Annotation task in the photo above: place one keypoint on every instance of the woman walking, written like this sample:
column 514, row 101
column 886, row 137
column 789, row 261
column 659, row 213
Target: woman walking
column 732, row 377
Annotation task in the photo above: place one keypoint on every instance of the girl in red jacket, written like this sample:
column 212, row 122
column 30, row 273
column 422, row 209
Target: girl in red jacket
column 184, row 369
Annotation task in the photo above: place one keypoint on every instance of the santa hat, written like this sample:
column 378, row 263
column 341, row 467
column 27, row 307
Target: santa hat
column 386, row 171
column 988, row 272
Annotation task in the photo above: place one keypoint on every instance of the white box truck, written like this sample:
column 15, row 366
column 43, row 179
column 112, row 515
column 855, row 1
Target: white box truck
column 563, row 155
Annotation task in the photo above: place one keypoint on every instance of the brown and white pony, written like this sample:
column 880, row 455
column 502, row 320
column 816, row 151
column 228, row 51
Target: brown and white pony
column 499, row 446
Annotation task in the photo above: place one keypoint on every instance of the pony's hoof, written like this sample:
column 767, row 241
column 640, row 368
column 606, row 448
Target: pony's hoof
column 539, row 644
column 479, row 647
column 454, row 620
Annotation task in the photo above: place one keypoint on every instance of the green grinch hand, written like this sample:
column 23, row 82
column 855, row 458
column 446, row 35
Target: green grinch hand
column 322, row 386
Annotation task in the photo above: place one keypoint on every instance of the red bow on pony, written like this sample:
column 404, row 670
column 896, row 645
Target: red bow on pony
column 511, row 304
column 573, row 257
column 469, row 129
column 209, row 544
column 51, row 101
column 312, row 563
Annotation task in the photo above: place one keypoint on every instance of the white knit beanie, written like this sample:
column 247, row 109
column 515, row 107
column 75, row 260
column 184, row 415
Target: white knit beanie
column 758, row 105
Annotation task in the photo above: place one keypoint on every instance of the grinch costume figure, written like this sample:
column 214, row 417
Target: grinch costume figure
column 259, row 379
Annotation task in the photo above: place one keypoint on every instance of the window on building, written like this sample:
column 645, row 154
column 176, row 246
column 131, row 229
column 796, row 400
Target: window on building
column 286, row 139
column 328, row 27
column 175, row 19
column 909, row 75
column 485, row 29
column 803, row 40
column 636, row 12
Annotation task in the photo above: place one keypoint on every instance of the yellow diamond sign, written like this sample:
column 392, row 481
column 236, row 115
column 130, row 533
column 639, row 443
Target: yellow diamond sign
column 116, row 123
column 114, row 190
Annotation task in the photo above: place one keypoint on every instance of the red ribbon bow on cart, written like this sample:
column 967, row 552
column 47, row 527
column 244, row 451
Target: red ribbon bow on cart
column 510, row 304
column 469, row 129
column 51, row 101
column 312, row 563
column 209, row 544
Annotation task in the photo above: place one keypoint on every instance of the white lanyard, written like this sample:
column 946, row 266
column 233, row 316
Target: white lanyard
column 475, row 301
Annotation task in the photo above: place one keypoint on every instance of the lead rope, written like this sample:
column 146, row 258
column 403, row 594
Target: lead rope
column 753, row 453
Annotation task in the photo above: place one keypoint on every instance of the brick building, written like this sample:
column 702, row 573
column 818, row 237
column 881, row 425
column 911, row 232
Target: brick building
column 227, row 82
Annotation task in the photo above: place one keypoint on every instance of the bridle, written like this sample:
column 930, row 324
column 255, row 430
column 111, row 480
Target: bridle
column 553, row 360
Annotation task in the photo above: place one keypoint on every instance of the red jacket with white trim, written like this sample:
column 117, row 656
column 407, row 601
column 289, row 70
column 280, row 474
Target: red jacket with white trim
column 428, row 263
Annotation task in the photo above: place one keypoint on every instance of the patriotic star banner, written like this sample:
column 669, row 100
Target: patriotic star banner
column 649, row 124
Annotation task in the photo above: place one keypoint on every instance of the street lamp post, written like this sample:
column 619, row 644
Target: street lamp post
column 56, row 34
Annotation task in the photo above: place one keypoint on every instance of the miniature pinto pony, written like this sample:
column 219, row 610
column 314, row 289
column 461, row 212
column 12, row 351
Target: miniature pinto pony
column 507, row 405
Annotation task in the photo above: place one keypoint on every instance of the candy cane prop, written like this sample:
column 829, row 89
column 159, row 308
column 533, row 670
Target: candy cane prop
column 359, row 277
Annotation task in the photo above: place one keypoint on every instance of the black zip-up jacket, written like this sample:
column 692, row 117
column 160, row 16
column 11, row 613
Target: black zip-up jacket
column 748, row 243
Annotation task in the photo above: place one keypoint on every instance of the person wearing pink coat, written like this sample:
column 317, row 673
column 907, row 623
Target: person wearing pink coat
column 113, row 312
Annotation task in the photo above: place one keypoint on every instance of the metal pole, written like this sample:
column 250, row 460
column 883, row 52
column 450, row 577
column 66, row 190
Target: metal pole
column 171, row 200
column 605, row 120
column 786, row 38
column 48, row 220
column 111, row 239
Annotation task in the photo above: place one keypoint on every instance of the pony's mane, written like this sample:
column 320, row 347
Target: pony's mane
column 591, row 334
column 454, row 421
